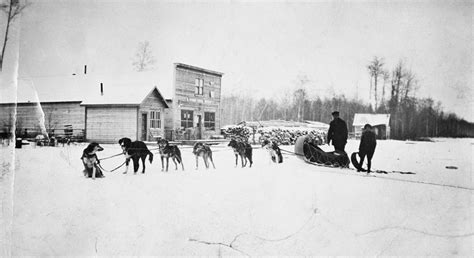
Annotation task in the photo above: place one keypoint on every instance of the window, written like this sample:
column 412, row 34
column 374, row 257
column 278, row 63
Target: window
column 211, row 94
column 196, row 83
column 210, row 120
column 155, row 119
column 199, row 83
column 186, row 118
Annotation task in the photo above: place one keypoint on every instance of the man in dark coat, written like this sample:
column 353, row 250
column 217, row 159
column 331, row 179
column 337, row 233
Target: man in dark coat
column 367, row 146
column 337, row 132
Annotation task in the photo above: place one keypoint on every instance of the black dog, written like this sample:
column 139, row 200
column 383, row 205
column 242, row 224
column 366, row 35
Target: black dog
column 273, row 150
column 135, row 150
column 169, row 151
column 203, row 150
column 91, row 162
column 244, row 149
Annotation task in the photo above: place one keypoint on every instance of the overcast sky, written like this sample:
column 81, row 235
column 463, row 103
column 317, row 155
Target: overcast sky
column 262, row 48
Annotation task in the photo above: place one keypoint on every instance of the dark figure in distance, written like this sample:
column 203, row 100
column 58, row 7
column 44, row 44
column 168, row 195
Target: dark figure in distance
column 367, row 146
column 337, row 132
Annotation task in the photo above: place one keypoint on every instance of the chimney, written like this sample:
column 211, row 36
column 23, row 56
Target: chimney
column 85, row 69
column 101, row 89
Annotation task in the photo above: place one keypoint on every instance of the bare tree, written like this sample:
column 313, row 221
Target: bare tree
column 144, row 57
column 300, row 95
column 403, row 105
column 410, row 84
column 12, row 8
column 375, row 68
column 50, row 122
column 396, row 83
column 386, row 78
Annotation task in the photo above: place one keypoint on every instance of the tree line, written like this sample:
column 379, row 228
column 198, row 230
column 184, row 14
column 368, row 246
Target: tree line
column 237, row 108
column 392, row 92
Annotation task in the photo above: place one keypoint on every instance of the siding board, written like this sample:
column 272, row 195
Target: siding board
column 109, row 124
column 51, row 116
column 153, row 102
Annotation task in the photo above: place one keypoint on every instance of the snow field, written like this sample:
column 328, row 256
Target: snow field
column 270, row 209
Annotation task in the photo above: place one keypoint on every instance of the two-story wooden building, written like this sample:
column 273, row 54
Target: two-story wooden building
column 195, row 108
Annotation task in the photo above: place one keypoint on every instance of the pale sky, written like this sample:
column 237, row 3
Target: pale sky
column 262, row 48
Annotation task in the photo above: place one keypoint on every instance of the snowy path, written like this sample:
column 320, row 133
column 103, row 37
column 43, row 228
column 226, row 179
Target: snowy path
column 287, row 209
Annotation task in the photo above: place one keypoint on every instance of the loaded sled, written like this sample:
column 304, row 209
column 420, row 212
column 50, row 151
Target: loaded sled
column 307, row 149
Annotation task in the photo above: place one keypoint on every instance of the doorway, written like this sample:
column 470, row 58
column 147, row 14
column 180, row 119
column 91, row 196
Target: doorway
column 144, row 126
column 199, row 127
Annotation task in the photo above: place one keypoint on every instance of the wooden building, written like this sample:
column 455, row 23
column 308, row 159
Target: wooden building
column 54, row 117
column 195, row 111
column 380, row 123
column 55, row 111
column 125, row 114
column 104, row 109
column 87, row 109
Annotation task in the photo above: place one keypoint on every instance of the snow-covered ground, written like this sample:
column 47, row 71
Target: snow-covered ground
column 292, row 208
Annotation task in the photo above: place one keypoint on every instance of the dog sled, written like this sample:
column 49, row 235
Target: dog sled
column 307, row 149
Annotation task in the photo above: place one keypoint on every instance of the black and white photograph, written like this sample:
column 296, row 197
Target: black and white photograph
column 218, row 128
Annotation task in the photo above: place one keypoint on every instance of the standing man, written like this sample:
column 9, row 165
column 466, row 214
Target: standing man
column 367, row 146
column 337, row 132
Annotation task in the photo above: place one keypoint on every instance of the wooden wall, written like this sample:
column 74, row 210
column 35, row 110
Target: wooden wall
column 153, row 102
column 107, row 124
column 51, row 115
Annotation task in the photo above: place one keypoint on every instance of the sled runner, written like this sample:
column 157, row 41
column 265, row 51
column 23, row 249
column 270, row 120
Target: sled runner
column 309, row 151
column 355, row 162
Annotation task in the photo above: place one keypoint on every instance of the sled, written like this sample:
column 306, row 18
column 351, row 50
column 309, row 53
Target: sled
column 309, row 151
column 355, row 162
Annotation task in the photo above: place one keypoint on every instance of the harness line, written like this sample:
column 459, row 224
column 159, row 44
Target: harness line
column 380, row 176
column 129, row 149
column 99, row 165
column 111, row 156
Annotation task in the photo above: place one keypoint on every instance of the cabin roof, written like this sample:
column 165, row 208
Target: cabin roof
column 372, row 119
column 130, row 88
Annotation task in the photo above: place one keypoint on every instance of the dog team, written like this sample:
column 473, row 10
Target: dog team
column 137, row 150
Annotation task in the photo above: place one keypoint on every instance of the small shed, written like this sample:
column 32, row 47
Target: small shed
column 380, row 123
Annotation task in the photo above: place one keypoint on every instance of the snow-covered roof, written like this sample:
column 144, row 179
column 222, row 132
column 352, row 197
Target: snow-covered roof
column 117, row 89
column 372, row 119
column 121, row 97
